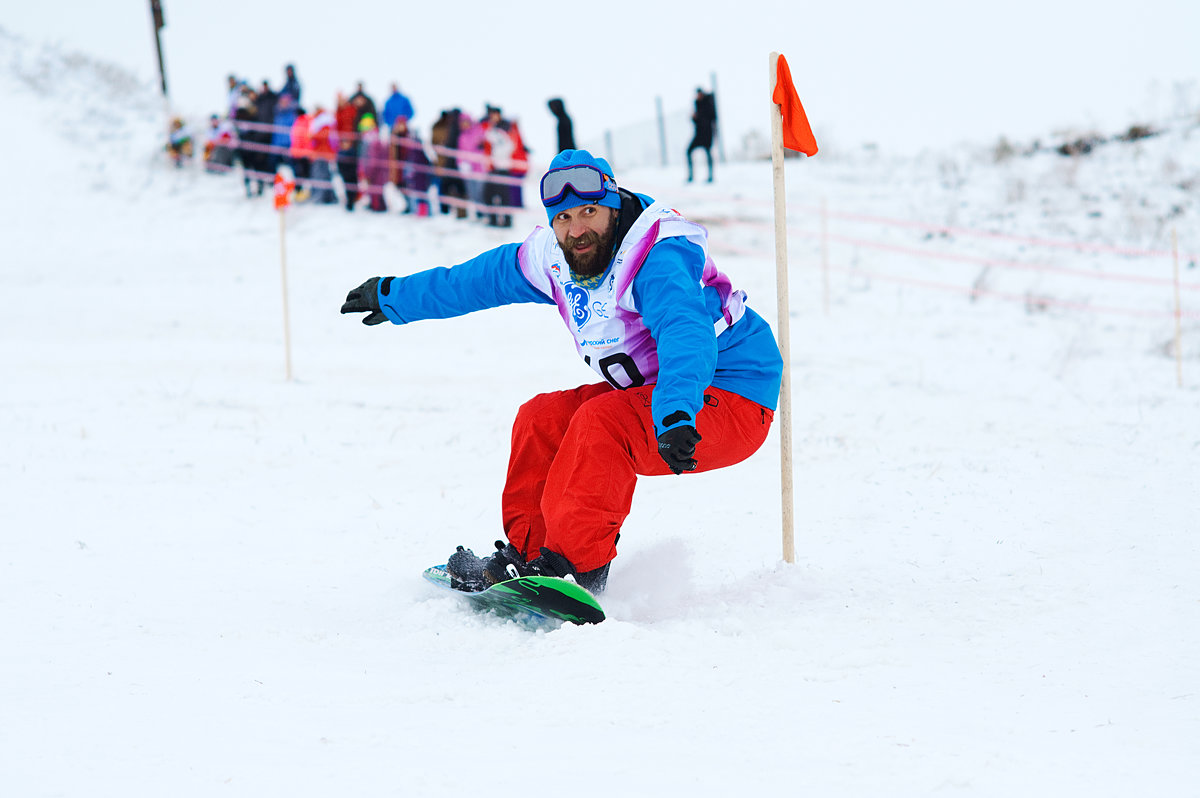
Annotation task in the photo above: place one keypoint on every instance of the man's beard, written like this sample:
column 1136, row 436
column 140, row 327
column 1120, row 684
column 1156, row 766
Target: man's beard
column 596, row 259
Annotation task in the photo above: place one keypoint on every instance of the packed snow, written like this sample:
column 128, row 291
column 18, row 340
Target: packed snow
column 210, row 575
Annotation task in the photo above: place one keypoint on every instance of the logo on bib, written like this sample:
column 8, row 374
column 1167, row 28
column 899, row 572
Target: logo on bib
column 577, row 300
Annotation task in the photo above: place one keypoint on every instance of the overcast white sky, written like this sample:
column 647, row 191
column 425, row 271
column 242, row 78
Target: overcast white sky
column 907, row 74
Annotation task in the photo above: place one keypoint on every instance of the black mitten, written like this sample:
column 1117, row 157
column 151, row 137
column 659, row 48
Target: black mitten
column 365, row 299
column 677, row 446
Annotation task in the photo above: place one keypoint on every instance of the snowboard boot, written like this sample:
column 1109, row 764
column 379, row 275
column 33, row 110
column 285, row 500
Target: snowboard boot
column 551, row 563
column 471, row 573
column 507, row 563
column 466, row 571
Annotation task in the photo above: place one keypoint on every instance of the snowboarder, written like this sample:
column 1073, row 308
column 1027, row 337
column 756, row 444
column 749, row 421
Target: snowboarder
column 692, row 374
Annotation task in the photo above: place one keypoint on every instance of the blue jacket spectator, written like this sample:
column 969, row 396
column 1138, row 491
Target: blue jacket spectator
column 285, row 116
column 397, row 106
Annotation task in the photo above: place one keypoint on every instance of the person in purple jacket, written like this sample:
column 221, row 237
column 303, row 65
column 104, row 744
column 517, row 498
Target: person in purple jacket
column 691, row 374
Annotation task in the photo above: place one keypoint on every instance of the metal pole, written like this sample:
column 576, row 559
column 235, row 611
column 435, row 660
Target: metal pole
column 662, row 130
column 717, row 123
column 156, row 13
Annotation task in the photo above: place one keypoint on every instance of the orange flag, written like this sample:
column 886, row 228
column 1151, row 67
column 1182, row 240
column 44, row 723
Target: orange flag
column 797, row 134
column 283, row 192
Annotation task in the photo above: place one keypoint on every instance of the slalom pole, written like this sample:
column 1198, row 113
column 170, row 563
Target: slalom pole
column 783, row 310
column 283, row 197
column 287, row 326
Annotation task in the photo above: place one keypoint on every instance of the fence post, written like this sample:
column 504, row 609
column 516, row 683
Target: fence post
column 662, row 130
column 825, row 253
column 1178, row 311
column 717, row 126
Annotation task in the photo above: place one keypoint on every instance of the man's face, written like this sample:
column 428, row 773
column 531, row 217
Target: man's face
column 586, row 234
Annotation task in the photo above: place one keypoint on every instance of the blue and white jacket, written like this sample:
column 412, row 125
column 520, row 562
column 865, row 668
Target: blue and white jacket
column 662, row 314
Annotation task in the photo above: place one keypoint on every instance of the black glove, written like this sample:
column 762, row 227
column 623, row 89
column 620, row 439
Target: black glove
column 678, row 448
column 365, row 299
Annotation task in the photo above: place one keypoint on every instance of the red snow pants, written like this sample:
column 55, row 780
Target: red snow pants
column 576, row 456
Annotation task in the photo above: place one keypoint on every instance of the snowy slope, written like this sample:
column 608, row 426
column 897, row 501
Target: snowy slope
column 209, row 576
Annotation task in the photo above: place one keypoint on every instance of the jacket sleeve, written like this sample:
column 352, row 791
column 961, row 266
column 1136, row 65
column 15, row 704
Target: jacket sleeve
column 488, row 280
column 674, row 306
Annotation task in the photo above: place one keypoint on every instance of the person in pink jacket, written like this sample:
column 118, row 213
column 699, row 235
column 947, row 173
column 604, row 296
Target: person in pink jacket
column 374, row 168
column 472, row 161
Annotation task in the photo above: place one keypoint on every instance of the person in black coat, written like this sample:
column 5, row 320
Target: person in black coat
column 704, row 120
column 566, row 133
column 251, row 141
column 291, row 85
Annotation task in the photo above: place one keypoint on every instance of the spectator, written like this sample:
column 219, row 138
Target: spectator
column 179, row 143
column 373, row 168
column 263, row 131
column 301, row 153
column 472, row 161
column 325, row 147
column 412, row 172
column 266, row 103
column 704, row 121
column 250, row 141
column 566, row 132
column 506, row 159
column 233, row 94
column 219, row 149
column 397, row 106
column 281, row 135
column 291, row 85
column 347, row 158
column 451, row 187
column 361, row 101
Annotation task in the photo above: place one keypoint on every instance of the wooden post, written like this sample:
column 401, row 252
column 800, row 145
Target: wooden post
column 287, row 326
column 1178, row 311
column 783, row 309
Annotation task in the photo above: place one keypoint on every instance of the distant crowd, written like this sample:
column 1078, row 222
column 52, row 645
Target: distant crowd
column 471, row 168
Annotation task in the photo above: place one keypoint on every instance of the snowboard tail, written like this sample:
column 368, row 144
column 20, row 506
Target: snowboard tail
column 537, row 602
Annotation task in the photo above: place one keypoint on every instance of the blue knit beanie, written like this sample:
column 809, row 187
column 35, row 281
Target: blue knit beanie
column 569, row 158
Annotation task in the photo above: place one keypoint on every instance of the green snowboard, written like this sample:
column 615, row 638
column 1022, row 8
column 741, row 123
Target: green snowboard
column 535, row 602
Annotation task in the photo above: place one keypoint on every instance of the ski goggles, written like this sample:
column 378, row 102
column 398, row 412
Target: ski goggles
column 585, row 182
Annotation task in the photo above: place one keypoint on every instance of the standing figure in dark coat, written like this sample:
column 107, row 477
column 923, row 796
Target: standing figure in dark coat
column 445, row 141
column 291, row 85
column 566, row 132
column 704, row 119
column 251, row 143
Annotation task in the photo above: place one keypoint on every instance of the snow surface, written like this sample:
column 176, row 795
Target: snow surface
column 210, row 576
